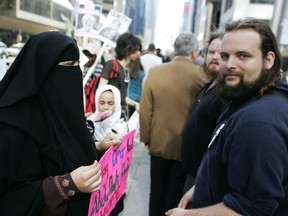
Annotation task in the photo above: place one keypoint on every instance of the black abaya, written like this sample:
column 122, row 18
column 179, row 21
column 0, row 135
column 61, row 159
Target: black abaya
column 42, row 125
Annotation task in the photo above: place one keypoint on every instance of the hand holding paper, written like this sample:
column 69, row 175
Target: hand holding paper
column 87, row 178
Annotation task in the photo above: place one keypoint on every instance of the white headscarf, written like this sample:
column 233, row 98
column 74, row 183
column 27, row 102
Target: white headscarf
column 114, row 122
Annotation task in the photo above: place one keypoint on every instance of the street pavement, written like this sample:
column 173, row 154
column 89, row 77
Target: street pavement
column 138, row 186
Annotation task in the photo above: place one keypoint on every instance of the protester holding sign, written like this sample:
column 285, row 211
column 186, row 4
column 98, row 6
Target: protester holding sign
column 108, row 103
column 91, row 50
column 47, row 156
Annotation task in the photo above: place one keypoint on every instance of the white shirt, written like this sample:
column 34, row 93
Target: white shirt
column 149, row 60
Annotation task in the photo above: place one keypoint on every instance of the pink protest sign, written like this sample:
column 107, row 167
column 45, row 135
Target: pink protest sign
column 115, row 166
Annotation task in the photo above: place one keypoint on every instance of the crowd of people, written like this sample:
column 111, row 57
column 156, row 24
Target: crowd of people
column 216, row 133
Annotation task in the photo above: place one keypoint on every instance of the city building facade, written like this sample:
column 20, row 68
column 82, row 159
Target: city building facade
column 135, row 9
column 209, row 15
column 19, row 19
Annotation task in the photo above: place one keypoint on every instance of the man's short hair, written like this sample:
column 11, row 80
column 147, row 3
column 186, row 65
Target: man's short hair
column 268, row 43
column 151, row 47
column 185, row 43
column 268, row 40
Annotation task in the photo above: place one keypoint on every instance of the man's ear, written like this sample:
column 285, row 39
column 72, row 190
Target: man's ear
column 194, row 55
column 269, row 60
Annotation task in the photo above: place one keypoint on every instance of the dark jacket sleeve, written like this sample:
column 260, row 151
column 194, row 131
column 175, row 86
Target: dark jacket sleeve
column 57, row 190
column 257, row 164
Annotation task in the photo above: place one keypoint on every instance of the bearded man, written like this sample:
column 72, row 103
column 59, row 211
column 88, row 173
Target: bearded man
column 204, row 114
column 245, row 168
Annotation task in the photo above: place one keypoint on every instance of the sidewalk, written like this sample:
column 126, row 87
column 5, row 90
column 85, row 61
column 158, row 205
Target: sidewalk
column 138, row 185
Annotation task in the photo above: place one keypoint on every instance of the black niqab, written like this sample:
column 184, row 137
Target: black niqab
column 45, row 100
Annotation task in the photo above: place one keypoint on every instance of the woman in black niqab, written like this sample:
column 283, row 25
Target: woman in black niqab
column 43, row 129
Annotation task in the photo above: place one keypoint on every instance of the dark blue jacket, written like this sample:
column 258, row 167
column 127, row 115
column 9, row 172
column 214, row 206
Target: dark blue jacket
column 246, row 164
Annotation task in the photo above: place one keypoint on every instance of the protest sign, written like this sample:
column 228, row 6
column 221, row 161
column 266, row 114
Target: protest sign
column 114, row 171
column 284, row 33
column 115, row 24
column 3, row 68
column 87, row 19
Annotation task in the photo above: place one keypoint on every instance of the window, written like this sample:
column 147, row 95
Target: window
column 228, row 4
column 38, row 7
column 262, row 1
column 58, row 10
column 108, row 1
column 45, row 8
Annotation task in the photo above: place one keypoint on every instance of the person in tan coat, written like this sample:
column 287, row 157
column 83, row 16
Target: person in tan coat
column 168, row 95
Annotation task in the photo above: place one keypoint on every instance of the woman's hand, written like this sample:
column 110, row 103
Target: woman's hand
column 97, row 117
column 110, row 139
column 87, row 178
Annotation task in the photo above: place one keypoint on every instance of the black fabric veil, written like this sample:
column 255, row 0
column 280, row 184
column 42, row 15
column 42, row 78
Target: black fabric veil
column 45, row 100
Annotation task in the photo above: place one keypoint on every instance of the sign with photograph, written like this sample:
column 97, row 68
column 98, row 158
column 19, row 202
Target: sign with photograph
column 115, row 166
column 115, row 24
column 87, row 19
column 284, row 33
column 3, row 68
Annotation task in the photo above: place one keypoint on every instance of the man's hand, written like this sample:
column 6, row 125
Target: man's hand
column 146, row 145
column 186, row 200
column 218, row 209
column 137, row 107
column 176, row 212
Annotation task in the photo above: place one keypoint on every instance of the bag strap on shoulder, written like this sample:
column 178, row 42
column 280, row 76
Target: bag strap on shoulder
column 114, row 73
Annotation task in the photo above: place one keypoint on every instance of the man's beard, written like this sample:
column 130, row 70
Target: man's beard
column 213, row 74
column 242, row 90
column 213, row 71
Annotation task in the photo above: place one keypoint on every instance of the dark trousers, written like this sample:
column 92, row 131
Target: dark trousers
column 130, row 110
column 167, row 184
column 189, row 183
column 119, row 207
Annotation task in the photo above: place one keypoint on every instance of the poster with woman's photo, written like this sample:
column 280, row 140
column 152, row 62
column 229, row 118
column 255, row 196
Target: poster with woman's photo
column 115, row 24
column 87, row 20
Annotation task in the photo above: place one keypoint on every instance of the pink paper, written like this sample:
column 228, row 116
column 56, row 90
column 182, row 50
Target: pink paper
column 114, row 170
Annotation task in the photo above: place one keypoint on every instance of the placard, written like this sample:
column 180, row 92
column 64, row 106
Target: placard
column 115, row 166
